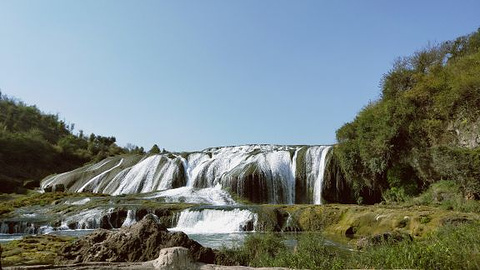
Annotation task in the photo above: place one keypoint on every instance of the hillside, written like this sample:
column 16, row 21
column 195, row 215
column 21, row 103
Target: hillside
column 424, row 128
column 34, row 144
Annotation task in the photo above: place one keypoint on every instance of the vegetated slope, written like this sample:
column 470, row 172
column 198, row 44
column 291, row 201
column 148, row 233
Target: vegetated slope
column 34, row 144
column 424, row 128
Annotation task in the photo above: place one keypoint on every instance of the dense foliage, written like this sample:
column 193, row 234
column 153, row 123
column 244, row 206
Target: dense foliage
column 424, row 128
column 34, row 144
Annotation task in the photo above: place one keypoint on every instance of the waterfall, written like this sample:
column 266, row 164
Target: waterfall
column 213, row 196
column 316, row 159
column 216, row 221
column 93, row 183
column 293, row 176
column 139, row 178
column 88, row 219
column 131, row 218
column 259, row 173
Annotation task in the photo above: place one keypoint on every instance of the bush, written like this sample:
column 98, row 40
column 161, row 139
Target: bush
column 448, row 195
column 452, row 247
column 422, row 128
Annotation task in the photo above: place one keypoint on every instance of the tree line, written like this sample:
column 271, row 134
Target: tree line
column 34, row 144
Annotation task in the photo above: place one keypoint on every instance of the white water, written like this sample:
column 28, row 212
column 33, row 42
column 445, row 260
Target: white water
column 215, row 221
column 94, row 182
column 139, row 178
column 270, row 168
column 89, row 219
column 131, row 218
column 315, row 162
column 213, row 196
column 80, row 201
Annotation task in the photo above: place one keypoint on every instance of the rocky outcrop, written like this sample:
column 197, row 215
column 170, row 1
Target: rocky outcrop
column 387, row 237
column 139, row 242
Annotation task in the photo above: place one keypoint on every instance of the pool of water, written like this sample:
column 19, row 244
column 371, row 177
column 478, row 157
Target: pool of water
column 229, row 240
column 6, row 237
column 9, row 237
column 212, row 240
column 219, row 240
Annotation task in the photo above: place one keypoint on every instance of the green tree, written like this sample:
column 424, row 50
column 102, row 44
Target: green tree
column 154, row 150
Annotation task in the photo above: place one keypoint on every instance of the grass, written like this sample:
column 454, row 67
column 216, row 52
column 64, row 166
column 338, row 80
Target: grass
column 452, row 247
column 33, row 198
column 446, row 195
column 33, row 250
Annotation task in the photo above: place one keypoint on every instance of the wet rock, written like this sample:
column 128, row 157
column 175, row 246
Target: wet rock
column 350, row 232
column 139, row 242
column 113, row 220
column 59, row 188
column 387, row 237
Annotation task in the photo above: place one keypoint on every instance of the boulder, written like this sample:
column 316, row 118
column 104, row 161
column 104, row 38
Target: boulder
column 139, row 242
column 179, row 258
column 175, row 258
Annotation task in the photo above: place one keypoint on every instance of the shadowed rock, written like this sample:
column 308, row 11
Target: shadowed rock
column 139, row 242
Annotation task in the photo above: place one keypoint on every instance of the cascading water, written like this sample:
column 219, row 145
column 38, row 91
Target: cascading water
column 216, row 221
column 214, row 176
column 131, row 218
column 316, row 159
column 259, row 173
column 89, row 219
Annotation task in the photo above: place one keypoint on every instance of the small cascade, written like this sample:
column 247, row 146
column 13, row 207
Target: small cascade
column 290, row 224
column 131, row 218
column 193, row 166
column 214, row 196
column 18, row 227
column 89, row 219
column 216, row 221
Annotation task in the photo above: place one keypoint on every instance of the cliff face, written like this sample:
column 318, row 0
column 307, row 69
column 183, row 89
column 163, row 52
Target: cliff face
column 466, row 132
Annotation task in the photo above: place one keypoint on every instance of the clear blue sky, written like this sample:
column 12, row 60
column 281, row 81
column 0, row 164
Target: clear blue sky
column 192, row 74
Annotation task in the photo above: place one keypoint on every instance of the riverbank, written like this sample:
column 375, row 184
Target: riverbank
column 347, row 224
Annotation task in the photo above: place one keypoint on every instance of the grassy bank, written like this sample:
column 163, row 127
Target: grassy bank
column 452, row 247
column 10, row 202
column 354, row 221
column 33, row 250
